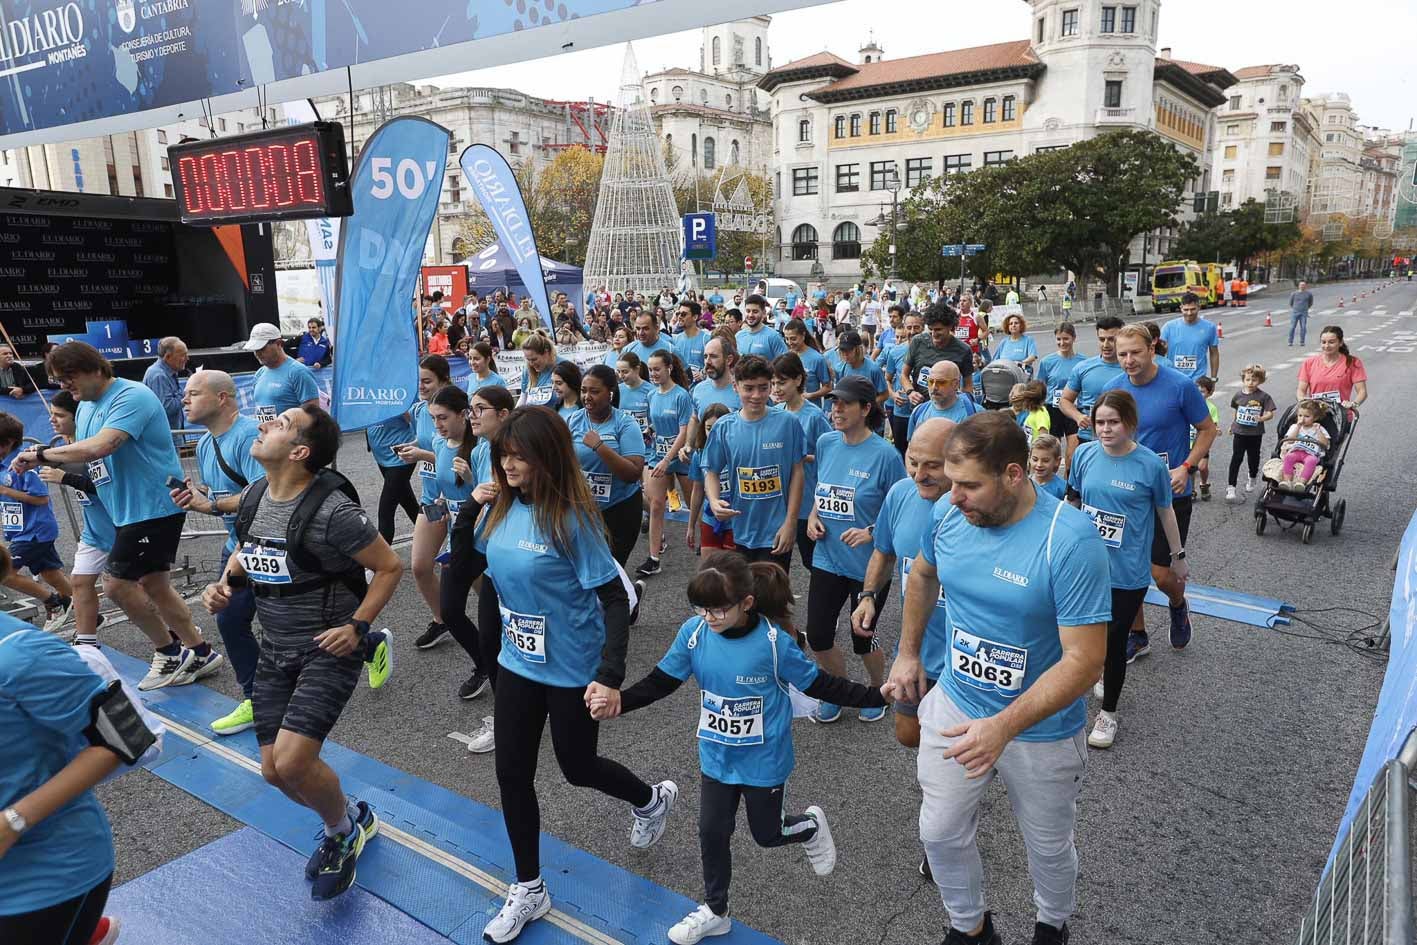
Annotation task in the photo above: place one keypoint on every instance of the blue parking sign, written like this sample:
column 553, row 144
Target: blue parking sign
column 700, row 236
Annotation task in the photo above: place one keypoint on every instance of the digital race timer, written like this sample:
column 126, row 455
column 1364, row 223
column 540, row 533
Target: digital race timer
column 277, row 174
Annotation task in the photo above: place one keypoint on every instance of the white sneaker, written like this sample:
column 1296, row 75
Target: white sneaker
column 1097, row 690
column 166, row 669
column 198, row 668
column 484, row 739
column 699, row 925
column 1230, row 495
column 821, row 849
column 522, row 906
column 649, row 824
column 1104, row 731
column 1250, row 484
column 58, row 617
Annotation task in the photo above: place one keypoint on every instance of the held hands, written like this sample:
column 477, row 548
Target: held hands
column 907, row 679
column 1179, row 477
column 339, row 641
column 216, row 597
column 862, row 617
column 603, row 702
column 978, row 744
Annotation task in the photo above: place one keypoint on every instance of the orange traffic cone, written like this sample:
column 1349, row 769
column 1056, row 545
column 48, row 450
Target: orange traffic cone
column 1268, row 322
column 1340, row 301
column 1220, row 329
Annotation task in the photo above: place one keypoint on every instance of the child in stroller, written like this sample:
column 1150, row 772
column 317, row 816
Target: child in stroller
column 1307, row 442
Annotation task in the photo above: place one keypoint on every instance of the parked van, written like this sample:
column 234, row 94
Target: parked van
column 1174, row 278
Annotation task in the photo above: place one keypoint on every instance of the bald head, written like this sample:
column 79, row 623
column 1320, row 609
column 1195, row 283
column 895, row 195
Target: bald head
column 210, row 400
column 944, row 383
column 925, row 457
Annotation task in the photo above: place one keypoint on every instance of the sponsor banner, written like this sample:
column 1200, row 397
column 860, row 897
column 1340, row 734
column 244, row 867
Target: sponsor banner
column 396, row 183
column 496, row 188
column 511, row 364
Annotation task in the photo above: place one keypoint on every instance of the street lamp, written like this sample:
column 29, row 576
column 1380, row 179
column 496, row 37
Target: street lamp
column 893, row 185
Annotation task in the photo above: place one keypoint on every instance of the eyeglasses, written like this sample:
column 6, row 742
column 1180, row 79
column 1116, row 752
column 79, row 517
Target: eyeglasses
column 715, row 613
column 936, row 382
column 478, row 410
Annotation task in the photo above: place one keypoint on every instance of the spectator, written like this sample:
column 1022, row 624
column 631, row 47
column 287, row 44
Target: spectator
column 162, row 378
column 15, row 381
column 315, row 347
column 438, row 343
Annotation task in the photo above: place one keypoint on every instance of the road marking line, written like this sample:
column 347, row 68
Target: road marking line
column 1328, row 311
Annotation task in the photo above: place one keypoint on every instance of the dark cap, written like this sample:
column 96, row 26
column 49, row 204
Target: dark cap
column 848, row 340
column 854, row 389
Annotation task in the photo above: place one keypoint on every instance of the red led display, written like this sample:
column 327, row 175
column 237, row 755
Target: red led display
column 283, row 173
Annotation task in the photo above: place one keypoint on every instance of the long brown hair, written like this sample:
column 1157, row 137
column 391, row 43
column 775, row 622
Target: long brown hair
column 556, row 488
column 725, row 578
column 454, row 398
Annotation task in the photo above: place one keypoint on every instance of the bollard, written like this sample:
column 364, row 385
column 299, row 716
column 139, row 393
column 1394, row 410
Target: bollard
column 1220, row 329
column 1268, row 322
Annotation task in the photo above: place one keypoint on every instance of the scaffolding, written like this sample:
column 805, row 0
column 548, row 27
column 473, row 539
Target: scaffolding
column 636, row 240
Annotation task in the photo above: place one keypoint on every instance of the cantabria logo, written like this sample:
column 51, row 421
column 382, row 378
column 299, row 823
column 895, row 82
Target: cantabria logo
column 56, row 33
column 127, row 15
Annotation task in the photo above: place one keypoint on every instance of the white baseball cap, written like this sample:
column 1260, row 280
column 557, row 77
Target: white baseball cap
column 262, row 335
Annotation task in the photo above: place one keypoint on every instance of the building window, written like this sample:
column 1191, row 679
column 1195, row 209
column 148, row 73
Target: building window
column 1234, row 103
column 1278, row 127
column 873, row 123
column 1008, row 114
column 654, row 94
column 221, row 124
column 1227, row 176
column 1276, row 149
column 1284, row 93
column 957, row 163
column 804, row 241
column 1109, row 19
column 1070, row 22
column 703, row 96
column 846, row 241
column 855, row 126
column 997, row 158
column 990, row 111
column 717, row 50
column 917, row 171
column 891, row 121
column 514, row 144
column 882, row 173
column 1129, row 20
column 1273, row 173
column 848, row 178
column 1045, row 148
column 804, row 182
column 1112, row 94
column 733, row 157
column 1039, row 32
column 710, row 153
column 804, row 131
column 1233, row 129
column 758, row 50
column 1330, row 137
column 694, row 150
column 167, row 189
column 728, row 101
column 161, row 136
column 966, row 113
column 949, row 112
column 1231, row 151
column 840, row 126
column 677, row 92
column 165, row 165
column 1226, row 199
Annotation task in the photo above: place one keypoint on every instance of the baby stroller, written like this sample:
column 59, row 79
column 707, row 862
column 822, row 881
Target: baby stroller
column 1308, row 507
column 997, row 378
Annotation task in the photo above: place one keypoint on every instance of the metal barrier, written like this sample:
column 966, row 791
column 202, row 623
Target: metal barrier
column 1366, row 895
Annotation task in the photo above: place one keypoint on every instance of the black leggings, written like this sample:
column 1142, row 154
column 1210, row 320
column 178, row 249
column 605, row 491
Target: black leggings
column 770, row 825
column 623, row 521
column 522, row 710
column 396, row 494
column 1246, row 446
column 805, row 544
column 826, row 594
column 456, row 584
column 70, row 922
column 900, row 426
column 1125, row 604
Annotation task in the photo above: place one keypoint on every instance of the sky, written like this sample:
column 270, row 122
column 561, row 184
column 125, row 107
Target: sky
column 1361, row 47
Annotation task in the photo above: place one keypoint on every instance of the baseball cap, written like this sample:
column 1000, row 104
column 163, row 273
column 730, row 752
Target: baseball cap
column 262, row 335
column 848, row 340
column 854, row 389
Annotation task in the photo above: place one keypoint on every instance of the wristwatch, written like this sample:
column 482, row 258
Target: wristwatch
column 39, row 454
column 867, row 595
column 1178, row 555
column 361, row 627
column 16, row 820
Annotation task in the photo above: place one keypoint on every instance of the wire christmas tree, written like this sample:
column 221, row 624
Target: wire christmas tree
column 636, row 239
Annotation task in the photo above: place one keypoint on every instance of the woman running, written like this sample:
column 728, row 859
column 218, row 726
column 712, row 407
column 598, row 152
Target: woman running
column 453, row 443
column 1017, row 346
column 537, row 389
column 1055, row 371
column 484, row 368
column 1333, row 375
column 705, row 533
column 431, row 527
column 611, row 451
column 566, row 381
column 815, row 367
column 634, row 391
column 788, row 377
column 670, row 411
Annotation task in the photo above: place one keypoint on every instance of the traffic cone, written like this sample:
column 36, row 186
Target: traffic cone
column 1340, row 301
column 1220, row 329
column 1268, row 322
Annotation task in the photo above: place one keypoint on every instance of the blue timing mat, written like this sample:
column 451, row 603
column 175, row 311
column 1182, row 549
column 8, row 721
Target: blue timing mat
column 1230, row 605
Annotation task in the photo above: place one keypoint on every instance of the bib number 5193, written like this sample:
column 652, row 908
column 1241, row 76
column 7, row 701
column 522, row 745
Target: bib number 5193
column 408, row 177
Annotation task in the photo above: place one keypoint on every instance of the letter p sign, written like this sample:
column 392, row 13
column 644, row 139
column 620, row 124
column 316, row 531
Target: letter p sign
column 700, row 236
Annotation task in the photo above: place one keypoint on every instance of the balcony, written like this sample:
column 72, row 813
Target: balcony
column 1116, row 116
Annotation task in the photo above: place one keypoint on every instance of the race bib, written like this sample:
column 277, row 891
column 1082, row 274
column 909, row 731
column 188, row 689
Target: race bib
column 539, row 396
column 12, row 515
column 986, row 664
column 1110, row 525
column 265, row 413
column 1056, row 397
column 1328, row 397
column 962, row 332
column 922, row 379
column 836, row 502
column 599, row 484
column 525, row 633
column 642, row 418
column 759, row 482
column 1185, row 362
column 264, row 564
column 905, row 564
column 731, row 721
column 83, row 497
column 98, row 472
column 1307, row 445
column 1247, row 414
column 662, row 444
column 427, row 470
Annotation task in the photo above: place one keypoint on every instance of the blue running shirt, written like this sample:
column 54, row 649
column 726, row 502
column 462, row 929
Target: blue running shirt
column 760, row 455
column 235, row 446
column 705, row 394
column 905, row 519
column 814, row 423
column 1188, row 346
column 1122, row 495
column 1168, row 406
column 669, row 414
column 132, row 480
column 1089, row 379
column 1055, row 371
column 852, row 482
column 621, row 434
column 276, row 390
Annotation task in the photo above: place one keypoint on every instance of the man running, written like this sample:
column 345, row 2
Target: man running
column 756, row 337
column 936, row 344
column 1026, row 580
column 1091, row 377
column 1192, row 343
column 648, row 339
column 315, row 607
column 945, row 402
column 720, row 361
column 281, row 382
column 689, row 343
column 121, row 432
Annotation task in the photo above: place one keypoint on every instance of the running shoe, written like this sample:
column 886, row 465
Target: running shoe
column 924, row 869
column 484, row 739
column 238, row 720
column 1045, row 934
column 1231, row 495
column 1205, row 492
column 639, row 599
column 650, row 568
column 649, row 822
column 1104, row 730
column 1180, row 626
column 1138, row 645
column 987, row 935
column 435, row 634
column 475, row 686
column 335, row 872
column 106, row 932
column 821, row 849
column 872, row 715
column 523, row 905
column 165, row 669
column 380, row 664
column 199, row 667
column 366, row 826
column 699, row 925
column 1250, row 484
column 57, row 608
column 826, row 713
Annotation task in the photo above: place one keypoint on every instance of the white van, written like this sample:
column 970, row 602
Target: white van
column 778, row 289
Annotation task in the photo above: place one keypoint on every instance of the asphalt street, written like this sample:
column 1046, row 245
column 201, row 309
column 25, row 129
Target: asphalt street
column 1207, row 822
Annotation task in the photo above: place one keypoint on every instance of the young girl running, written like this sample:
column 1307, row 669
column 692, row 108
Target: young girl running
column 670, row 411
column 484, row 368
column 566, row 382
column 706, row 533
column 743, row 661
column 1253, row 408
column 789, row 375
column 611, row 451
column 537, row 388
column 431, row 526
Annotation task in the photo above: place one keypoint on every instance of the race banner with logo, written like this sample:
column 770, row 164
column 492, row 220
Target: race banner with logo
column 496, row 188
column 396, row 183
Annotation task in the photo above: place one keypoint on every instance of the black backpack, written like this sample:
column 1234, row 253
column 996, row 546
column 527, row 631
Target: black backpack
column 326, row 482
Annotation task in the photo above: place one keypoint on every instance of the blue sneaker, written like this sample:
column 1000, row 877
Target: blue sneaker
column 1181, row 626
column 872, row 715
column 1137, row 645
column 826, row 713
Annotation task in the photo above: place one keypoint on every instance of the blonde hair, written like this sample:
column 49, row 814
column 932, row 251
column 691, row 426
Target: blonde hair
column 1030, row 395
column 1318, row 408
column 1136, row 331
column 1257, row 370
column 1049, row 442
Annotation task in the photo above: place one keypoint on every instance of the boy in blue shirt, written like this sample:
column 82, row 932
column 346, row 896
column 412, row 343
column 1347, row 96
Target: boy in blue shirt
column 30, row 530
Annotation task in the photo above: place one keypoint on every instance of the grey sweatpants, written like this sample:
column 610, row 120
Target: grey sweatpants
column 1043, row 781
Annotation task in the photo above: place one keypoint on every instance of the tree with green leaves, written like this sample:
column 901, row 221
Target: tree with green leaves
column 1240, row 234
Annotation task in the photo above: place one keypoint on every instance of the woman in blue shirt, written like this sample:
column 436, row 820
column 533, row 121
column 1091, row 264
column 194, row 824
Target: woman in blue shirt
column 1017, row 346
column 566, row 382
column 619, row 338
column 789, row 376
column 483, row 365
column 634, row 391
column 740, row 651
column 1054, row 371
column 1126, row 489
column 670, row 410
column 431, row 526
column 540, row 355
column 565, row 618
column 611, row 451
column 855, row 471
column 315, row 348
